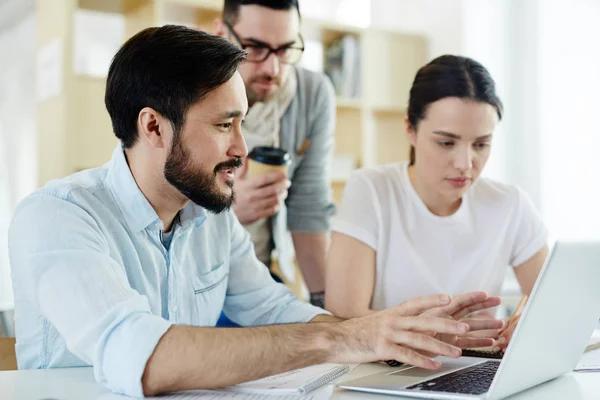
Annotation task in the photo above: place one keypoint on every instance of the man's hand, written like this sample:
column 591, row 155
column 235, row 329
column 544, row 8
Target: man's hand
column 258, row 197
column 401, row 333
column 461, row 309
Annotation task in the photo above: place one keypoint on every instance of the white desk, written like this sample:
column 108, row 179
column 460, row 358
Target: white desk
column 79, row 384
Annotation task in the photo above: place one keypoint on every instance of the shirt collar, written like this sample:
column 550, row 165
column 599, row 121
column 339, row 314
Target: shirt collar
column 136, row 209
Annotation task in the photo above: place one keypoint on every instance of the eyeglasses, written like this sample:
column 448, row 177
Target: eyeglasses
column 259, row 51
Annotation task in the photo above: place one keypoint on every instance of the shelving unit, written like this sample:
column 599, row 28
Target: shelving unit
column 74, row 129
column 370, row 128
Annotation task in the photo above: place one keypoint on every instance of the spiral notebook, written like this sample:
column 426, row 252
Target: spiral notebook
column 298, row 381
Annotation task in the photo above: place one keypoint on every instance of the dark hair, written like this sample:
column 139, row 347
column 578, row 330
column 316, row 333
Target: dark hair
column 168, row 69
column 450, row 76
column 231, row 8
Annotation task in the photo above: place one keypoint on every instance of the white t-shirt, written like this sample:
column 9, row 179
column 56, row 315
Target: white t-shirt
column 420, row 253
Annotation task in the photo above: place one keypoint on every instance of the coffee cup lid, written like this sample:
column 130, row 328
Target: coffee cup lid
column 269, row 155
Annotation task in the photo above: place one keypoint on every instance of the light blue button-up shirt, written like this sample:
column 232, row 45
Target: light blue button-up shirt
column 94, row 284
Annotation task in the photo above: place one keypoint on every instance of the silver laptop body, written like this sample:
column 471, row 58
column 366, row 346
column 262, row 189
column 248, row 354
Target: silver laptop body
column 551, row 336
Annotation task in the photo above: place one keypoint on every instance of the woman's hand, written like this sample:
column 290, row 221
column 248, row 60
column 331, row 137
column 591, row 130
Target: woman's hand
column 482, row 330
column 506, row 334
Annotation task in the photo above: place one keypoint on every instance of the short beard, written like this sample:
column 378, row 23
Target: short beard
column 253, row 96
column 198, row 186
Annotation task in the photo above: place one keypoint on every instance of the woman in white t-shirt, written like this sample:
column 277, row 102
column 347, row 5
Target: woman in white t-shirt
column 432, row 225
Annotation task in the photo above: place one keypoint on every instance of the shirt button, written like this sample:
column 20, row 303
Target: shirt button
column 174, row 309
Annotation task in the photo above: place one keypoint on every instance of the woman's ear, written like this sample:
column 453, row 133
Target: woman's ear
column 411, row 133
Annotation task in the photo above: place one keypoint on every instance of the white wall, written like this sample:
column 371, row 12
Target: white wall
column 438, row 20
column 569, row 94
column 347, row 12
column 17, row 126
column 544, row 57
column 484, row 38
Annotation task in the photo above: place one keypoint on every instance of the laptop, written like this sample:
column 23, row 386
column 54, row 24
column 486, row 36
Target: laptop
column 552, row 334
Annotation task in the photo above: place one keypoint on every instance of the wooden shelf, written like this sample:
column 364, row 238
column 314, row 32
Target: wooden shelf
column 108, row 6
column 181, row 12
column 214, row 5
column 331, row 32
column 93, row 133
column 188, row 12
column 122, row 6
column 339, row 180
column 389, row 109
column 349, row 133
column 349, row 103
column 391, row 144
column 337, row 190
column 369, row 129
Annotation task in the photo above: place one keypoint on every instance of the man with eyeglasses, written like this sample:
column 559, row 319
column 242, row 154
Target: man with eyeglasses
column 291, row 108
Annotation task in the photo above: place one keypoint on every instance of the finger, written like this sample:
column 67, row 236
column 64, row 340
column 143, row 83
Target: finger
column 271, row 190
column 500, row 344
column 507, row 333
column 483, row 324
column 483, row 314
column 471, row 305
column 504, row 338
column 420, row 342
column 510, row 327
column 282, row 196
column 411, row 357
column 264, row 204
column 418, row 305
column 473, row 343
column 269, row 179
column 266, row 212
column 425, row 324
column 464, row 300
column 427, row 354
column 486, row 333
column 488, row 303
column 511, row 323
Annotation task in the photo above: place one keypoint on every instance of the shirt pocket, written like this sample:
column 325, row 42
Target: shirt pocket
column 209, row 292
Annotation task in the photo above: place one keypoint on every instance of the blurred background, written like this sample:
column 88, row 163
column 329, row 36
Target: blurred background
column 543, row 54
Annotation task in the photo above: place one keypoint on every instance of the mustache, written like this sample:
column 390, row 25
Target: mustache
column 234, row 163
column 268, row 78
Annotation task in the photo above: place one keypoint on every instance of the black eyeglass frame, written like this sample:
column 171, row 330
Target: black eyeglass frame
column 259, row 44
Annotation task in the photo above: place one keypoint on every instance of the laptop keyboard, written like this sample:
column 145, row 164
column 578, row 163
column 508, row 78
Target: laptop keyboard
column 475, row 379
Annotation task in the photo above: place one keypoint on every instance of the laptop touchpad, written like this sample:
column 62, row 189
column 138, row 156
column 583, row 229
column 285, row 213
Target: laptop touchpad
column 416, row 372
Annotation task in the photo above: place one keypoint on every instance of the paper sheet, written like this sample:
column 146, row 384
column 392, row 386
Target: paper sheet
column 589, row 362
column 323, row 393
column 293, row 380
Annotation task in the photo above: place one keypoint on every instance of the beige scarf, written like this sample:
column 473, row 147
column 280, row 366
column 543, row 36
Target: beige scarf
column 262, row 124
column 262, row 128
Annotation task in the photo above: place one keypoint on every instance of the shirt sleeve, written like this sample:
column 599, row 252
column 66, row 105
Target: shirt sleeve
column 60, row 258
column 309, row 200
column 253, row 297
column 531, row 233
column 357, row 214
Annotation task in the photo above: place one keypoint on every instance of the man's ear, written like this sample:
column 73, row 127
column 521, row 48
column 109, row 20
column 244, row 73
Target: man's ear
column 411, row 134
column 153, row 128
column 219, row 27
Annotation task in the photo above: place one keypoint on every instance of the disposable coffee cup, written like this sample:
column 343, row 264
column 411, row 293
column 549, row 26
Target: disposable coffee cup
column 264, row 159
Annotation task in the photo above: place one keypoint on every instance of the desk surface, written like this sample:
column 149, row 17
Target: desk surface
column 79, row 384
